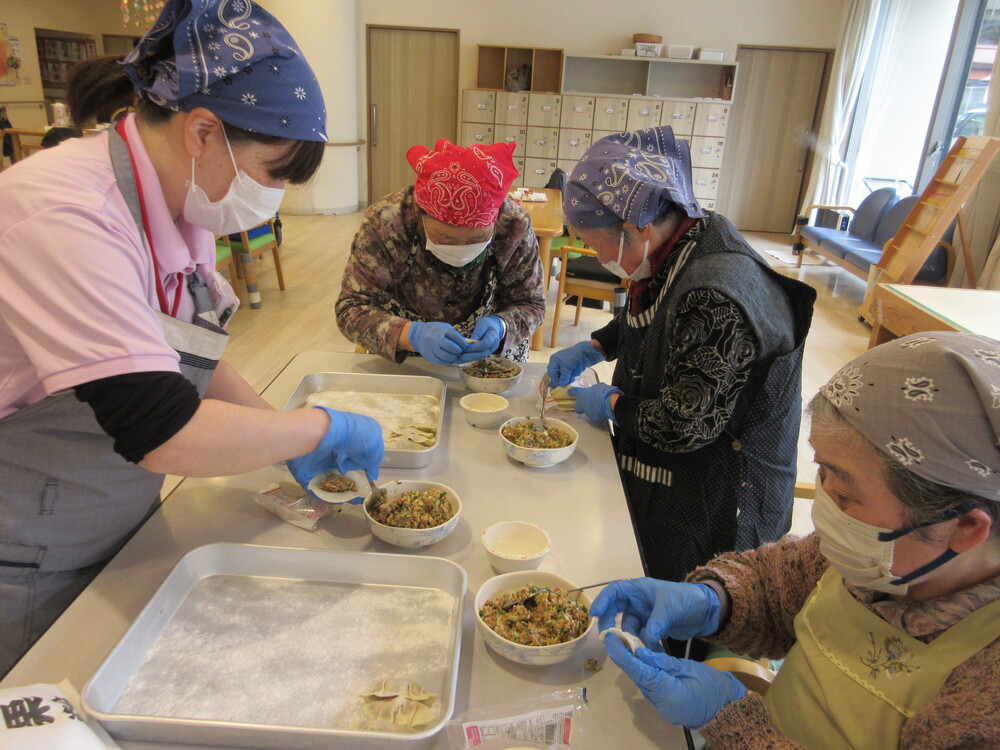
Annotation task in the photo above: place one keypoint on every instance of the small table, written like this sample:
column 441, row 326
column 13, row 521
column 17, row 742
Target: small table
column 902, row 309
column 547, row 221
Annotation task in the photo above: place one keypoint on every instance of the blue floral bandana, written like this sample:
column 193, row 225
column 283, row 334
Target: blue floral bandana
column 233, row 58
column 932, row 402
column 631, row 177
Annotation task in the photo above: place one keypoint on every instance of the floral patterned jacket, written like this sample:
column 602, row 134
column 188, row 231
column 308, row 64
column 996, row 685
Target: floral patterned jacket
column 389, row 269
column 769, row 586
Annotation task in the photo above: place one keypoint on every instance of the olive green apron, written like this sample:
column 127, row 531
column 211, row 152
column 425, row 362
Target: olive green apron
column 852, row 680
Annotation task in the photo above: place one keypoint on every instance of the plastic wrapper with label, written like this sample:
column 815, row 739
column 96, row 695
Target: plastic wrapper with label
column 553, row 721
column 47, row 717
column 298, row 510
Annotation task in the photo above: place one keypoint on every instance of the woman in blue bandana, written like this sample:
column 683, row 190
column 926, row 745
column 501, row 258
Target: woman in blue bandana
column 111, row 311
column 705, row 397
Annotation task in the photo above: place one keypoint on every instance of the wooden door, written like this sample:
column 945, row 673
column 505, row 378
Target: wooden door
column 775, row 116
column 412, row 98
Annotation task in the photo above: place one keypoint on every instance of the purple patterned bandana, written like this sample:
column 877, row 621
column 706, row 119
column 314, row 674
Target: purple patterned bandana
column 932, row 402
column 631, row 177
column 233, row 58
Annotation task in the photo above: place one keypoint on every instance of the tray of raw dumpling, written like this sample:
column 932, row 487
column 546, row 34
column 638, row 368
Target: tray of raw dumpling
column 280, row 648
column 410, row 409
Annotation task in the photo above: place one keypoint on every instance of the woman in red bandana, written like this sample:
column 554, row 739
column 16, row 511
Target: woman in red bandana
column 444, row 261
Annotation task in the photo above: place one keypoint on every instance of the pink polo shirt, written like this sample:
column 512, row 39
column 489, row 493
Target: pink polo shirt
column 77, row 292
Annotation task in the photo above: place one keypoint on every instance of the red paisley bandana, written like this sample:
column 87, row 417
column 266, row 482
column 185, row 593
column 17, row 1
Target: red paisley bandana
column 461, row 186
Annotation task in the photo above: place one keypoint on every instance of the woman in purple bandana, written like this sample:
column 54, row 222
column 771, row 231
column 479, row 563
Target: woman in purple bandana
column 112, row 314
column 705, row 397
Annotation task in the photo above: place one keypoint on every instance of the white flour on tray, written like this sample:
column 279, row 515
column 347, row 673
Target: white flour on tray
column 409, row 421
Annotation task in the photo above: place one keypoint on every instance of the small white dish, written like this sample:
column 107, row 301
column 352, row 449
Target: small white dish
column 339, row 498
column 484, row 409
column 515, row 545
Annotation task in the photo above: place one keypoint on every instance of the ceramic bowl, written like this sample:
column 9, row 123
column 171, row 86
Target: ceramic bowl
column 539, row 457
column 484, row 409
column 532, row 655
column 413, row 538
column 515, row 545
column 501, row 386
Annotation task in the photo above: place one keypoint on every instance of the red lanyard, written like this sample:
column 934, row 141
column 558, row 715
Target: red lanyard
column 161, row 294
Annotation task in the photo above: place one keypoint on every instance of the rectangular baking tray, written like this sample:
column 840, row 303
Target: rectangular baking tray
column 416, row 385
column 104, row 689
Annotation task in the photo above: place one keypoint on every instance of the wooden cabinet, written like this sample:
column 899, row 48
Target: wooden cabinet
column 479, row 106
column 474, row 133
column 512, row 134
column 577, row 112
column 544, row 67
column 542, row 143
column 543, row 110
column 511, row 108
column 644, row 113
column 610, row 113
column 538, row 171
column 573, row 143
column 679, row 115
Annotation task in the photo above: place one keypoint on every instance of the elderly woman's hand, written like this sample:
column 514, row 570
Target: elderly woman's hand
column 436, row 342
column 653, row 609
column 568, row 363
column 682, row 691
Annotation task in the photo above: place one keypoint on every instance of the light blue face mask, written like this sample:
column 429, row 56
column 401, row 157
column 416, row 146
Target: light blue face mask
column 644, row 271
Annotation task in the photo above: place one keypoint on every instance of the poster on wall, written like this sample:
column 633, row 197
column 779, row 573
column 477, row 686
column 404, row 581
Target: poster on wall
column 10, row 58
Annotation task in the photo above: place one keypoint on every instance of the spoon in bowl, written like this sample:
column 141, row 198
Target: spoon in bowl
column 530, row 602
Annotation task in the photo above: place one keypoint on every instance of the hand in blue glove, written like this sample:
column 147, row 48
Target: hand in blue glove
column 352, row 441
column 437, row 342
column 569, row 363
column 653, row 609
column 594, row 402
column 488, row 333
column 682, row 691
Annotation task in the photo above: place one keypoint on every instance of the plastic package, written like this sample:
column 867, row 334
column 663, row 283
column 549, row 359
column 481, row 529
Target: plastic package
column 553, row 721
column 557, row 398
column 302, row 511
column 46, row 717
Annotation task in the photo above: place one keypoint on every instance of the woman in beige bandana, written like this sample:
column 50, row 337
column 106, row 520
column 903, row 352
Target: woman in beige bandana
column 888, row 616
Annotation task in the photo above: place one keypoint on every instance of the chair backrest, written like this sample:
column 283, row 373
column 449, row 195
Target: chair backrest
column 894, row 219
column 870, row 212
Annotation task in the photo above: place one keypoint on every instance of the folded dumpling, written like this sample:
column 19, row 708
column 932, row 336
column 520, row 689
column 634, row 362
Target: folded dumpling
column 394, row 688
column 401, row 711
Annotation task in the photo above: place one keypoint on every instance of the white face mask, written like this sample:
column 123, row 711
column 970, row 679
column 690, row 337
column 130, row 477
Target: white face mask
column 644, row 271
column 245, row 205
column 862, row 553
column 457, row 255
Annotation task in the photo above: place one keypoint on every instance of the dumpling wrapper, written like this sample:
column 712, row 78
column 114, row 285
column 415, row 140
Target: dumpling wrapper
column 395, row 688
column 632, row 642
column 401, row 711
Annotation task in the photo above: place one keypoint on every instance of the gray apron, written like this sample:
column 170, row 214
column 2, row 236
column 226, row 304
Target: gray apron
column 68, row 502
column 489, row 305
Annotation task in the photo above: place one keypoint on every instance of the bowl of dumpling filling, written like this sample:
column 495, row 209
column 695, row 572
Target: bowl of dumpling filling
column 529, row 618
column 412, row 513
column 525, row 440
column 492, row 375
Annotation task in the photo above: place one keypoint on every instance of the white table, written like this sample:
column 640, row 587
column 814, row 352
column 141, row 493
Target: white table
column 580, row 503
column 902, row 309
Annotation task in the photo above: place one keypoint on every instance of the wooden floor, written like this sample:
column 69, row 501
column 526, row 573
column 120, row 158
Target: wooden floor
column 315, row 250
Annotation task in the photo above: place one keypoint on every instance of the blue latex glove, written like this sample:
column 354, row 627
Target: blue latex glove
column 437, row 342
column 682, row 691
column 488, row 332
column 653, row 609
column 594, row 402
column 568, row 363
column 352, row 441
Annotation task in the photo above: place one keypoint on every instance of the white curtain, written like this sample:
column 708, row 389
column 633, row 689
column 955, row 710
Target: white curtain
column 849, row 63
column 985, row 240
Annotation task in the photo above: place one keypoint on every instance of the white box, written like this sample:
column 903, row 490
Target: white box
column 645, row 49
column 705, row 53
column 628, row 52
column 680, row 51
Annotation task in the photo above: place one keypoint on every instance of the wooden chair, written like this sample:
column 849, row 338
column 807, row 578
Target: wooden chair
column 253, row 243
column 578, row 286
column 23, row 149
column 224, row 259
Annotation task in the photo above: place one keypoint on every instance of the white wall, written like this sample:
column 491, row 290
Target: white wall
column 91, row 17
column 594, row 27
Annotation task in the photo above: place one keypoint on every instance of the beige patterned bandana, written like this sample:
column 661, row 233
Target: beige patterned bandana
column 932, row 402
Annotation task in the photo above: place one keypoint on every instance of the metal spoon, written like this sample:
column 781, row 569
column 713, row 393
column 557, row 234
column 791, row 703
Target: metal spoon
column 377, row 493
column 530, row 602
column 545, row 386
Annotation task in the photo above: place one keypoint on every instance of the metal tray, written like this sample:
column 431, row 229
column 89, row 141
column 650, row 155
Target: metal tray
column 288, row 567
column 417, row 385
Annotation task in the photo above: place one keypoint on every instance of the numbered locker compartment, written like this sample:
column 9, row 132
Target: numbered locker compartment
column 711, row 119
column 610, row 114
column 567, row 166
column 543, row 143
column 511, row 108
column 706, row 184
column 644, row 113
column 476, row 133
column 679, row 115
column 707, row 152
column 519, row 166
column 512, row 134
column 479, row 106
column 544, row 110
column 573, row 143
column 577, row 112
column 538, row 171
